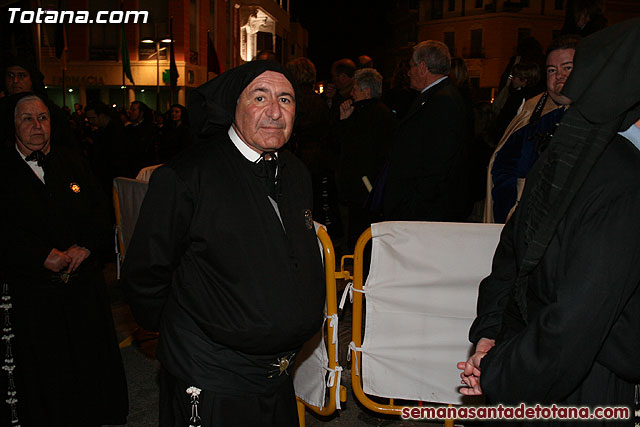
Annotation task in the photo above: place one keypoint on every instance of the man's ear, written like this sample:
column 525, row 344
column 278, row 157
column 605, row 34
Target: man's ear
column 422, row 68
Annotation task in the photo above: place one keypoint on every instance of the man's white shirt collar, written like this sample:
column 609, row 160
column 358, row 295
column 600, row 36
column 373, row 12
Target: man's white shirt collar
column 254, row 157
column 633, row 135
column 433, row 84
column 247, row 152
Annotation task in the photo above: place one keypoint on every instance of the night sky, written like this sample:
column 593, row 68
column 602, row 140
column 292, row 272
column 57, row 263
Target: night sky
column 342, row 28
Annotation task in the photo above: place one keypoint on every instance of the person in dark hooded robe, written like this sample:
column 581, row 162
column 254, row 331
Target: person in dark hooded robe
column 20, row 75
column 224, row 260
column 62, row 365
column 558, row 316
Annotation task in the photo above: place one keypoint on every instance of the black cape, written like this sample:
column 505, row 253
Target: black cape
column 68, row 366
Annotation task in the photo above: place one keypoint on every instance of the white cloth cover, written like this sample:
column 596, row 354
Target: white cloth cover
column 145, row 173
column 309, row 376
column 131, row 193
column 420, row 302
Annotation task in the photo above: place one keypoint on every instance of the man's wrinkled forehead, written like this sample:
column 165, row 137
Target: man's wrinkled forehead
column 267, row 81
column 29, row 106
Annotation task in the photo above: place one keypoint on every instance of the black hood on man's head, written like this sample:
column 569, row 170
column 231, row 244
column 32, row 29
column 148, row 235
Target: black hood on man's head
column 604, row 83
column 605, row 93
column 212, row 106
column 37, row 79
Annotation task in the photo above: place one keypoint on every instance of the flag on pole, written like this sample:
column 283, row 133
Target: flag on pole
column 61, row 42
column 173, row 69
column 213, row 63
column 124, row 53
column 61, row 45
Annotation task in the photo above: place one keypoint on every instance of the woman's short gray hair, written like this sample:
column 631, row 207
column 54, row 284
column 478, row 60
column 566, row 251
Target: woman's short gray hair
column 25, row 99
column 369, row 78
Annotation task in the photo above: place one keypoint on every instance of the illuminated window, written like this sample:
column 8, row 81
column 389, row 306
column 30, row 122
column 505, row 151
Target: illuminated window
column 156, row 28
column 258, row 33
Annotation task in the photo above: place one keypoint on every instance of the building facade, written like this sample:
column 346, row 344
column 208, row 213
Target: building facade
column 209, row 36
column 486, row 32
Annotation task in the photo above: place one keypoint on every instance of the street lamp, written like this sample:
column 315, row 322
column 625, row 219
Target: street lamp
column 157, row 41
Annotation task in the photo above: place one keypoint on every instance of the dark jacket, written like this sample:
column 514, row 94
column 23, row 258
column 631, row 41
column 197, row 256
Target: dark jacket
column 173, row 140
column 427, row 178
column 580, row 340
column 364, row 139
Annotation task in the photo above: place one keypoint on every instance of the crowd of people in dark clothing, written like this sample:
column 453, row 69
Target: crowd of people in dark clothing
column 343, row 132
column 344, row 146
column 345, row 153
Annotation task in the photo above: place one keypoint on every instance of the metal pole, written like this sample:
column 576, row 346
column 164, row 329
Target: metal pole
column 157, row 74
column 124, row 95
column 64, row 89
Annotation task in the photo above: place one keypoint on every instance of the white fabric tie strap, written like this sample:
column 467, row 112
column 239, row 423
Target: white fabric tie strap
column 352, row 347
column 331, row 380
column 333, row 322
column 349, row 289
column 194, row 392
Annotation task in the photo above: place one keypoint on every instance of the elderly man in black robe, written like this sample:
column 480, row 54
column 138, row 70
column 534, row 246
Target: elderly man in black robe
column 558, row 316
column 62, row 365
column 224, row 260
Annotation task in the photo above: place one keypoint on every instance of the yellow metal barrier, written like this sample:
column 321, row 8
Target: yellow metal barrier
column 356, row 328
column 116, row 207
column 332, row 308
